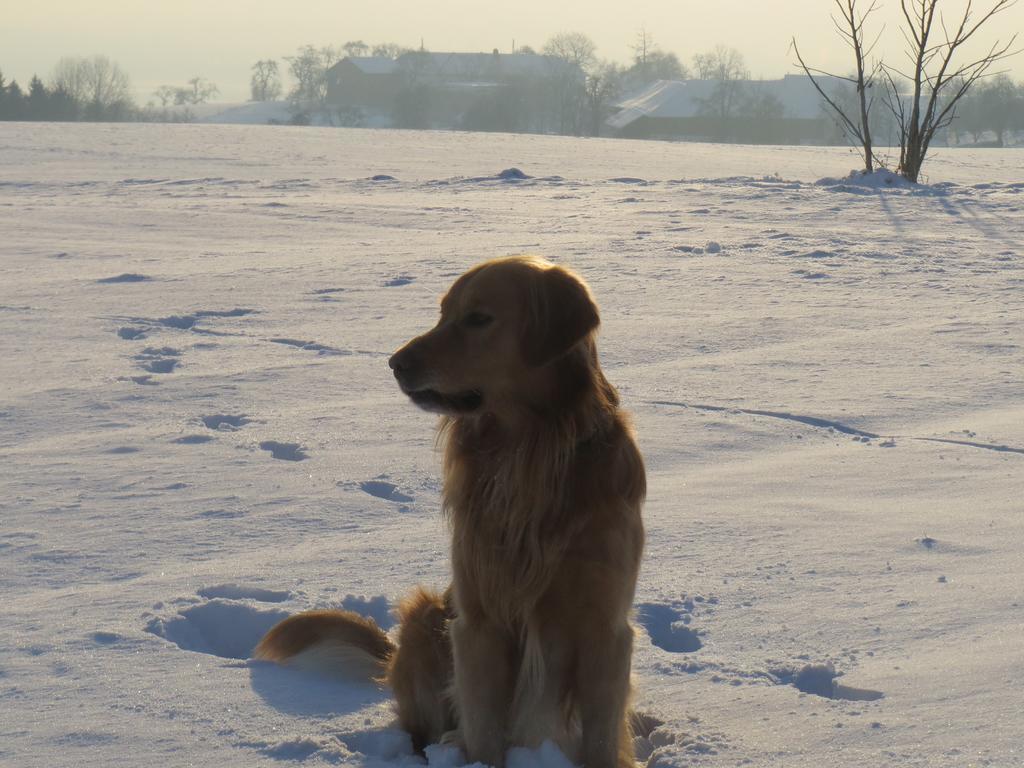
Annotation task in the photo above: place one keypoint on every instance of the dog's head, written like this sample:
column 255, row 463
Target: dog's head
column 503, row 324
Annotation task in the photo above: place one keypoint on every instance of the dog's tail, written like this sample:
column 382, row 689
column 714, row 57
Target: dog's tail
column 339, row 643
column 418, row 669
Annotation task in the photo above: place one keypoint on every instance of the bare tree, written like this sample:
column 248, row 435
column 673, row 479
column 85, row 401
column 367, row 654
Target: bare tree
column 309, row 70
column 703, row 63
column 355, row 48
column 650, row 64
column 70, row 76
column 644, row 44
column 166, row 94
column 109, row 88
column 724, row 66
column 722, row 63
column 573, row 47
column 604, row 83
column 938, row 80
column 850, row 26
column 199, row 91
column 388, row 50
column 996, row 106
column 574, row 56
column 265, row 84
column 98, row 85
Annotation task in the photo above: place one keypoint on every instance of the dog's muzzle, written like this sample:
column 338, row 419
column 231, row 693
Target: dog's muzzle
column 409, row 373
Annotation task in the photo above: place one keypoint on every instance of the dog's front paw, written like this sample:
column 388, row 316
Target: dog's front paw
column 452, row 738
column 447, row 753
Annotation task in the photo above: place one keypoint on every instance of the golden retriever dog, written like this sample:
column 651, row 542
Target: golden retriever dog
column 543, row 485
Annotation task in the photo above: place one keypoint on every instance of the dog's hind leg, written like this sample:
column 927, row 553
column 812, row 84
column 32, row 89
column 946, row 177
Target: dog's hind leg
column 420, row 670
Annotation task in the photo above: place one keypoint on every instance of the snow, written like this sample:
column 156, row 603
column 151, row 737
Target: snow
column 880, row 178
column 200, row 435
column 243, row 113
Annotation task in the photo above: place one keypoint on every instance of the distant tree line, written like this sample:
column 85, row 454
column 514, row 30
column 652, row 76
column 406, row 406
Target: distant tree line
column 561, row 101
column 93, row 88
column 573, row 98
column 992, row 108
column 198, row 90
column 573, row 95
column 96, row 89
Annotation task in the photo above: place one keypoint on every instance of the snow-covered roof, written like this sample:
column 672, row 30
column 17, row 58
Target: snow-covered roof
column 373, row 65
column 455, row 64
column 682, row 98
column 662, row 98
column 798, row 95
column 461, row 66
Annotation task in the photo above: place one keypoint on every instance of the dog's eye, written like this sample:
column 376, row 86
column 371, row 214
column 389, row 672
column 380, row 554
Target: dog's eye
column 477, row 320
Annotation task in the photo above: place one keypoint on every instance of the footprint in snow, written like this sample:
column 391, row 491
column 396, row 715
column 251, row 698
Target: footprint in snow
column 180, row 322
column 327, row 294
column 188, row 322
column 220, row 627
column 225, row 422
column 229, row 624
column 309, row 346
column 192, row 439
column 384, row 490
column 127, row 277
column 106, row 638
column 662, row 744
column 284, row 451
column 240, row 592
column 820, row 680
column 158, row 359
column 667, row 626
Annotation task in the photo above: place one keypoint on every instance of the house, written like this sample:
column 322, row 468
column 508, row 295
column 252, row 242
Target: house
column 365, row 83
column 786, row 111
column 424, row 89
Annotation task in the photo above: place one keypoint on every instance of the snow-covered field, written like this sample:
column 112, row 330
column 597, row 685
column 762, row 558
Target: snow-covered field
column 199, row 434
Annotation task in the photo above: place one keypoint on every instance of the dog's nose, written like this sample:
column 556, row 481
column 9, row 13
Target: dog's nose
column 401, row 363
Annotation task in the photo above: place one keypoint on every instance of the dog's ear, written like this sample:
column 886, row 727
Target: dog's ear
column 560, row 313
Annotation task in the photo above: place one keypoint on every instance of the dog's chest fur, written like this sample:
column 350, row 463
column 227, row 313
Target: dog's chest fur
column 509, row 509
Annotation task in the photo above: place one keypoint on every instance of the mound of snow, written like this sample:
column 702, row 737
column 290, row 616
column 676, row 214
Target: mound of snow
column 512, row 174
column 546, row 756
column 881, row 178
column 377, row 608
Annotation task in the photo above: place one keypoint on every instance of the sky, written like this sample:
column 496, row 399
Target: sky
column 162, row 42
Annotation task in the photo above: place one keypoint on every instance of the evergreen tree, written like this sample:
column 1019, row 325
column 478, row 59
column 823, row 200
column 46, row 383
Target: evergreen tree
column 14, row 102
column 63, row 105
column 37, row 105
column 3, row 97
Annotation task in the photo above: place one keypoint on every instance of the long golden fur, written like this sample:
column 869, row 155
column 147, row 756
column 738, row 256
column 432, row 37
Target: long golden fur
column 543, row 485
